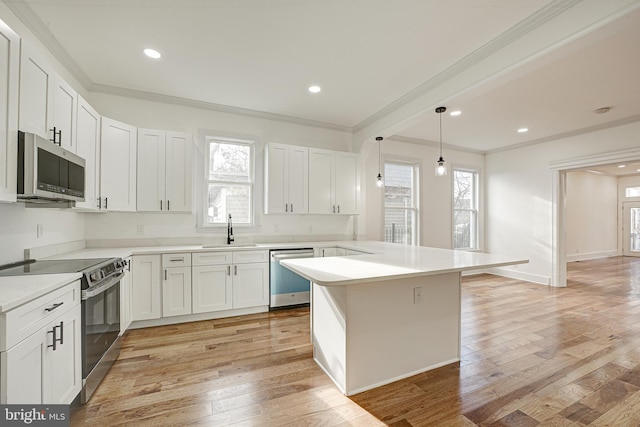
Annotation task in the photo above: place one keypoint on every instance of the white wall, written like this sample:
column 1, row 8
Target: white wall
column 519, row 195
column 592, row 220
column 436, row 193
column 18, row 229
column 175, row 228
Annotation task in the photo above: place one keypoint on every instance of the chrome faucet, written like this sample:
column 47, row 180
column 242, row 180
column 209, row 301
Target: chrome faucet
column 230, row 238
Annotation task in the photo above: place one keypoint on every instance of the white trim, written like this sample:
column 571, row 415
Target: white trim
column 591, row 255
column 512, row 274
column 163, row 321
column 478, row 202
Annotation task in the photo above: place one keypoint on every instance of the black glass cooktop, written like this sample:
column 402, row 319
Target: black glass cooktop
column 49, row 266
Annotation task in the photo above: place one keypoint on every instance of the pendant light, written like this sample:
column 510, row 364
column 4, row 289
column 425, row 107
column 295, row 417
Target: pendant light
column 379, row 181
column 441, row 167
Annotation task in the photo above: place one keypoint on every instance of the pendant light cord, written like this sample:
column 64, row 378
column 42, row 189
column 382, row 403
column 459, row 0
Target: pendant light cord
column 440, row 114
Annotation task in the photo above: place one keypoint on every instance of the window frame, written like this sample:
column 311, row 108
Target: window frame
column 417, row 179
column 213, row 138
column 477, row 202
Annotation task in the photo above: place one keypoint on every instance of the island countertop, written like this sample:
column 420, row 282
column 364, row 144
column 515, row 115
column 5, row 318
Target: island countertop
column 393, row 261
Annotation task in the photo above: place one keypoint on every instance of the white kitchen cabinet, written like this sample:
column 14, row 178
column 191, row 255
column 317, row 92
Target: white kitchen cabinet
column 164, row 181
column 176, row 284
column 9, row 83
column 146, row 293
column 117, row 166
column 88, row 147
column 229, row 280
column 46, row 100
column 42, row 362
column 286, row 179
column 250, row 285
column 332, row 182
column 126, row 314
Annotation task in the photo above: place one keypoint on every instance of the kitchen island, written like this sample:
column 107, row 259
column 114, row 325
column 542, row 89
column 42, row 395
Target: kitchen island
column 378, row 318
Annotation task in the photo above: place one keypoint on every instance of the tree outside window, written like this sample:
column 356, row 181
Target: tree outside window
column 401, row 203
column 465, row 209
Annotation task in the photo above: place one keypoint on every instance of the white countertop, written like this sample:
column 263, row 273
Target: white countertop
column 393, row 261
column 17, row 290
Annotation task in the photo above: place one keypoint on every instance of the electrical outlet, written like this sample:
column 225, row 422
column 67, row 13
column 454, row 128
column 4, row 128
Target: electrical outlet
column 40, row 230
column 417, row 294
column 140, row 230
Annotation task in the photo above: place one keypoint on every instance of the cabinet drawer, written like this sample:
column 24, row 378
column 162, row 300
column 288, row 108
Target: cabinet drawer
column 23, row 321
column 211, row 258
column 243, row 257
column 176, row 260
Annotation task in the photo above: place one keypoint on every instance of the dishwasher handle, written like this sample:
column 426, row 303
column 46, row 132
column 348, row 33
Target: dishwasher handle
column 279, row 257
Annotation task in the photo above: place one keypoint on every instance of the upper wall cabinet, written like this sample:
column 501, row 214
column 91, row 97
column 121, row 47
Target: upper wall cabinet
column 286, row 179
column 332, row 182
column 164, row 182
column 117, row 166
column 9, row 77
column 88, row 147
column 46, row 101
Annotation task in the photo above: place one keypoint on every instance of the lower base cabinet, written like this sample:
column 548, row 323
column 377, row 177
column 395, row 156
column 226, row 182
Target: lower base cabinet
column 146, row 294
column 46, row 366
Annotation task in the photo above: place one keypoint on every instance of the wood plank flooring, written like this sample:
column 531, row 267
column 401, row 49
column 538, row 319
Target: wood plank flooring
column 531, row 356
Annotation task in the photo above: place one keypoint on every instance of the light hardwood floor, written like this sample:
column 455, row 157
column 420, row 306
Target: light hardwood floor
column 531, row 356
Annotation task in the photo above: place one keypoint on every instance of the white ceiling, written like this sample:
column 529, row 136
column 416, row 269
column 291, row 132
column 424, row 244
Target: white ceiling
column 369, row 56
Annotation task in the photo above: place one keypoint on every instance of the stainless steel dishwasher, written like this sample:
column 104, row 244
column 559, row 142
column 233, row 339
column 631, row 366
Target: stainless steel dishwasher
column 287, row 288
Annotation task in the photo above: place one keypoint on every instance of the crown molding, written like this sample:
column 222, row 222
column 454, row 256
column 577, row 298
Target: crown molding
column 429, row 143
column 529, row 24
column 589, row 129
column 186, row 102
column 33, row 22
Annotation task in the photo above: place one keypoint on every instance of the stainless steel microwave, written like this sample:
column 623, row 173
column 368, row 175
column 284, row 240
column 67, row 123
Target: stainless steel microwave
column 48, row 172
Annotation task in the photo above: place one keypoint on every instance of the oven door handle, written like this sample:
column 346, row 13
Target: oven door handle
column 92, row 292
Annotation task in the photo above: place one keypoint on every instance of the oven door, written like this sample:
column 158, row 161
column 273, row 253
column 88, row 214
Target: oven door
column 101, row 324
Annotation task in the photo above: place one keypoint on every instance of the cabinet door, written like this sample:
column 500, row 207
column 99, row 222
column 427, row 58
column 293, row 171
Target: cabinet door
column 145, row 287
column 24, row 366
column 298, row 180
column 211, row 288
column 320, row 181
column 63, row 115
column 63, row 374
column 9, row 80
column 151, row 170
column 179, row 179
column 250, row 285
column 125, row 299
column 88, row 147
column 277, row 179
column 176, row 291
column 346, row 175
column 118, row 166
column 36, row 81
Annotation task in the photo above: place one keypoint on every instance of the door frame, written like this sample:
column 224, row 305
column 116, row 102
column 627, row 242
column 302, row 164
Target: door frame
column 559, row 171
column 627, row 204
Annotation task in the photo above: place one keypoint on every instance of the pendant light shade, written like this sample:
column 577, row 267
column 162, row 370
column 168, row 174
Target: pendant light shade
column 379, row 180
column 441, row 166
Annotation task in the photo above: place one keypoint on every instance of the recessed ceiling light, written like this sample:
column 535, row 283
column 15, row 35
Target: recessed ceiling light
column 523, row 130
column 455, row 113
column 314, row 89
column 622, row 166
column 152, row 53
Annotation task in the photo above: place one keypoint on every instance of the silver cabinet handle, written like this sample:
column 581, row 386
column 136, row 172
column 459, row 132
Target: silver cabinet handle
column 99, row 202
column 334, row 208
column 286, row 207
column 228, row 270
column 168, row 206
column 165, row 274
column 291, row 207
column 160, row 204
column 323, row 253
column 176, row 259
column 338, row 208
column 56, row 340
column 235, row 270
column 61, row 332
column 106, row 201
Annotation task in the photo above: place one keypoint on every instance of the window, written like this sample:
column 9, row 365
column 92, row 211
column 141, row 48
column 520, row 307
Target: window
column 229, row 182
column 401, row 203
column 465, row 209
column 632, row 192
